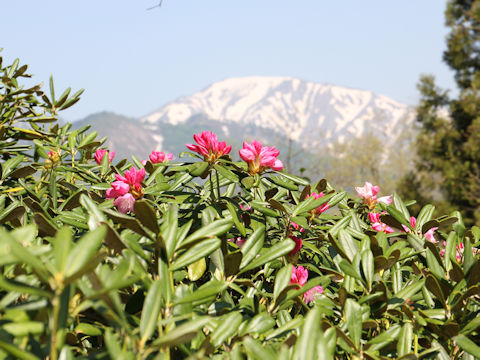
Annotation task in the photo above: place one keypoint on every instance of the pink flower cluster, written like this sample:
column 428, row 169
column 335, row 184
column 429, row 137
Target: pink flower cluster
column 429, row 235
column 259, row 158
column 209, row 146
column 127, row 189
column 100, row 153
column 320, row 209
column 377, row 225
column 299, row 277
column 298, row 244
column 369, row 194
column 157, row 157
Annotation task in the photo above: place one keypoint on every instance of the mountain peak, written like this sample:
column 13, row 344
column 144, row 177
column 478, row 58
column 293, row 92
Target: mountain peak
column 308, row 112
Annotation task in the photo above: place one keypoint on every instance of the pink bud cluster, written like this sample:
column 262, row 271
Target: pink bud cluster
column 127, row 189
column 299, row 277
column 158, row 157
column 208, row 146
column 100, row 153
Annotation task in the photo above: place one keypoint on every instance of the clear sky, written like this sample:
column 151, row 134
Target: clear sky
column 133, row 61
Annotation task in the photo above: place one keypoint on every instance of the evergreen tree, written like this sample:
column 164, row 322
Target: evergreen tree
column 448, row 145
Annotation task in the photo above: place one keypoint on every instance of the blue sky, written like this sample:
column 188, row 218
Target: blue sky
column 132, row 60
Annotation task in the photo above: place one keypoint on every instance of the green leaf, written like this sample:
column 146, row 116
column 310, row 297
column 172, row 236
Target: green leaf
column 88, row 329
column 353, row 316
column 238, row 224
column 466, row 344
column 84, row 250
column 398, row 203
column 169, row 230
column 348, row 244
column 277, row 180
column 282, row 280
column 226, row 173
column 424, row 216
column 9, row 165
column 196, row 270
column 16, row 352
column 310, row 204
column 206, row 291
column 87, row 140
column 198, row 168
column 151, row 310
column 306, row 345
column 368, row 266
column 259, row 324
column 62, row 244
column 213, row 229
column 196, row 252
column 228, row 326
column 279, row 249
column 146, row 215
column 404, row 344
column 96, row 216
column 256, row 351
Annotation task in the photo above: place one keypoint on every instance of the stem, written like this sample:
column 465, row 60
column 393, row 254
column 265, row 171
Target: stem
column 218, row 185
column 212, row 191
column 53, row 336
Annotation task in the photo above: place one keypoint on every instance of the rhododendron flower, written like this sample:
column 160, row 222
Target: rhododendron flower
column 100, row 153
column 299, row 276
column 239, row 241
column 369, row 194
column 53, row 158
column 429, row 235
column 309, row 295
column 125, row 203
column 259, row 158
column 132, row 176
column 377, row 225
column 321, row 208
column 298, row 245
column 126, row 189
column 209, row 146
column 157, row 157
column 297, row 227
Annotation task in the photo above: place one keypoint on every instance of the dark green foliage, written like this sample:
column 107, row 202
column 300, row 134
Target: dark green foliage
column 78, row 279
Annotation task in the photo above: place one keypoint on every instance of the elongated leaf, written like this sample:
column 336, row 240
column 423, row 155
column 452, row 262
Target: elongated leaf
column 146, row 215
column 84, row 250
column 252, row 246
column 213, row 229
column 468, row 345
column 353, row 316
column 404, row 344
column 306, row 346
column 228, row 326
column 211, row 288
column 196, row 252
column 282, row 280
column 151, row 310
column 279, row 249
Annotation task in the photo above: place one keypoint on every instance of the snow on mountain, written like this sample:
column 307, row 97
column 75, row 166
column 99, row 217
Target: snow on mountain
column 310, row 113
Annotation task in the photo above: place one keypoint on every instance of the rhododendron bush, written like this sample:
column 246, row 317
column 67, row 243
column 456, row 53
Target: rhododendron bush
column 215, row 252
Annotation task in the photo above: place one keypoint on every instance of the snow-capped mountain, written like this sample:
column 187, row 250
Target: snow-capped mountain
column 309, row 113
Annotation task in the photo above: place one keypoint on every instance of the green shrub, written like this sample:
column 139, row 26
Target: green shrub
column 206, row 263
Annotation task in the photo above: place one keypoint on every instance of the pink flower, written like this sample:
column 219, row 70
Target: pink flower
column 369, row 194
column 322, row 208
column 157, row 157
column 297, row 227
column 100, row 153
column 309, row 295
column 429, row 235
column 132, row 176
column 209, row 146
column 299, row 276
column 298, row 245
column 124, row 203
column 238, row 241
column 118, row 188
column 259, row 158
column 377, row 225
column 126, row 189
